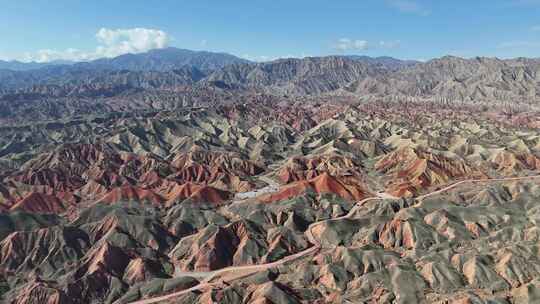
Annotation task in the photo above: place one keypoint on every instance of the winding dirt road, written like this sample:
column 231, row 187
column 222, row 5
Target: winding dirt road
column 473, row 181
column 242, row 270
column 250, row 269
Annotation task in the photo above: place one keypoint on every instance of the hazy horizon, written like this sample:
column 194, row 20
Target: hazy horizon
column 66, row 61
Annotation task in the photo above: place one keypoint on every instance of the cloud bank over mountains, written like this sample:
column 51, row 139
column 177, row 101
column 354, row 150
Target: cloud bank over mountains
column 348, row 44
column 111, row 43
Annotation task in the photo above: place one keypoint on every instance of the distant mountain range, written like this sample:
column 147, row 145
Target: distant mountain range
column 173, row 70
column 16, row 65
column 155, row 60
column 173, row 58
column 166, row 59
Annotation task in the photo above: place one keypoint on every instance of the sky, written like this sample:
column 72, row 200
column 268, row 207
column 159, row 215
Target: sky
column 260, row 30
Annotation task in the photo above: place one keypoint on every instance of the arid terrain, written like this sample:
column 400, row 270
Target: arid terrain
column 320, row 180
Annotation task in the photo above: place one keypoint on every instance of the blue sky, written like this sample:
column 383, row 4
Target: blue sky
column 409, row 29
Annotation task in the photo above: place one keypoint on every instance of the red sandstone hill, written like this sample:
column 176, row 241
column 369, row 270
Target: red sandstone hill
column 70, row 166
column 215, row 176
column 86, row 172
column 91, row 190
column 174, row 192
column 411, row 170
column 238, row 243
column 131, row 194
column 301, row 168
column 38, row 291
column 53, row 178
column 510, row 163
column 40, row 203
column 324, row 183
column 227, row 161
column 227, row 171
column 210, row 195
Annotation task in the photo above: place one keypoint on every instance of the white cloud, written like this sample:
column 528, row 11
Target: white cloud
column 259, row 58
column 408, row 6
column 47, row 55
column 111, row 43
column 253, row 58
column 123, row 41
column 389, row 44
column 204, row 43
column 345, row 44
column 264, row 58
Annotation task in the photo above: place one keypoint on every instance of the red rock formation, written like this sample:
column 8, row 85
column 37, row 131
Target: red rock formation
column 324, row 183
column 98, row 273
column 224, row 170
column 301, row 168
column 91, row 190
column 138, row 270
column 235, row 244
column 509, row 163
column 129, row 194
column 174, row 192
column 105, row 258
column 40, row 203
column 230, row 162
column 40, row 292
column 53, row 178
column 411, row 170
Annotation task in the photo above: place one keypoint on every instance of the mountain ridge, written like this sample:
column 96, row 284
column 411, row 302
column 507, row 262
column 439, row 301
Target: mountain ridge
column 164, row 59
column 447, row 78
